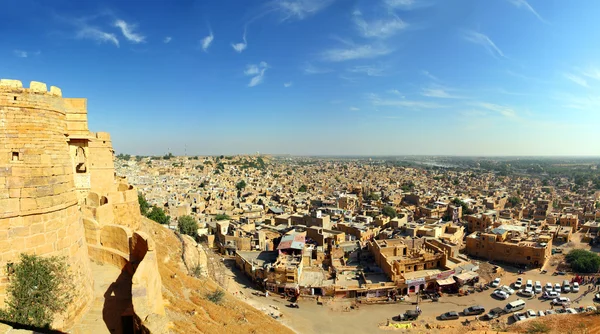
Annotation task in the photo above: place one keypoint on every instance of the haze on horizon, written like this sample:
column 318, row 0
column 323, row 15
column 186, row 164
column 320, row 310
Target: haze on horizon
column 320, row 77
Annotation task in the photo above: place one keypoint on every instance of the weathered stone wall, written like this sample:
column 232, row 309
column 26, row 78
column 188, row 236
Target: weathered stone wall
column 39, row 212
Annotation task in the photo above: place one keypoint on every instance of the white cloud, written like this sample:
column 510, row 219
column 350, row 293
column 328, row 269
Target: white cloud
column 128, row 31
column 310, row 69
column 207, row 41
column 485, row 41
column 592, row 72
column 429, row 75
column 355, row 52
column 354, row 109
column 395, row 92
column 167, row 39
column 21, row 53
column 379, row 28
column 257, row 72
column 299, row 9
column 403, row 103
column 577, row 79
column 239, row 47
column 399, row 3
column 527, row 6
column 93, row 33
column 439, row 92
column 502, row 110
column 287, row 84
column 370, row 70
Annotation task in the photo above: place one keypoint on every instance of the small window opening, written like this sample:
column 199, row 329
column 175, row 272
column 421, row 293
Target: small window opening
column 14, row 98
column 15, row 156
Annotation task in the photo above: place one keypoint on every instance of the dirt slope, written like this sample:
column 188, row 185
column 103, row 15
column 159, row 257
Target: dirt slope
column 186, row 305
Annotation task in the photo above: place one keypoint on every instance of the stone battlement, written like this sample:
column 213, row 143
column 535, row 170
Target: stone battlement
column 34, row 87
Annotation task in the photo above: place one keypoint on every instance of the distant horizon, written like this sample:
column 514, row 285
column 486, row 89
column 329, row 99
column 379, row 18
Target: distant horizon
column 367, row 155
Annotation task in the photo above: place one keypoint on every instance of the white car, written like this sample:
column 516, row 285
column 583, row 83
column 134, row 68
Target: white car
column 575, row 287
column 519, row 283
column 571, row 311
column 500, row 294
column 537, row 287
column 548, row 287
column 526, row 292
column 541, row 313
column 519, row 316
column 495, row 283
column 507, row 289
column 561, row 301
column 551, row 294
column 531, row 314
column 557, row 287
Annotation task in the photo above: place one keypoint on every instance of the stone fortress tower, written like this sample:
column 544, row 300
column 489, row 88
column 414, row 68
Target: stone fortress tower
column 59, row 196
column 38, row 201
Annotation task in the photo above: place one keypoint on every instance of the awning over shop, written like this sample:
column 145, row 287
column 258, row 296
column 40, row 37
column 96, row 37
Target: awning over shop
column 466, row 276
column 447, row 281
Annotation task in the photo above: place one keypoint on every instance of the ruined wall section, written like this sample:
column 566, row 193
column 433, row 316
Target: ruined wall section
column 39, row 212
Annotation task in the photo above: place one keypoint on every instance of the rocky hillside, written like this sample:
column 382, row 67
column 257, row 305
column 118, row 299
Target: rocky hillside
column 187, row 306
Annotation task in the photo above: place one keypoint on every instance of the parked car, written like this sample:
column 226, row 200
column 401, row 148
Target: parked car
column 500, row 294
column 408, row 315
column 519, row 316
column 531, row 313
column 550, row 312
column 529, row 284
column 560, row 301
column 566, row 287
column 541, row 313
column 597, row 297
column 507, row 289
column 526, row 292
column 519, row 283
column 452, row 315
column 474, row 310
column 548, row 287
column 557, row 287
column 537, row 287
column 495, row 283
column 551, row 294
column 494, row 313
column 571, row 311
column 575, row 287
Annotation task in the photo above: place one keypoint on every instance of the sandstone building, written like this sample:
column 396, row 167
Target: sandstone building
column 59, row 196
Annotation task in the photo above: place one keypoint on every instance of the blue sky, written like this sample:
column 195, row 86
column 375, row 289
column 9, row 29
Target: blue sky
column 452, row 77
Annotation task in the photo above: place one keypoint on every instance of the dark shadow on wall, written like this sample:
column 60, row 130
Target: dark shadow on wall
column 118, row 308
column 15, row 325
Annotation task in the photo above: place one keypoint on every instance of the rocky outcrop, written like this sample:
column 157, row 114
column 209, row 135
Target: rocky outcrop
column 194, row 257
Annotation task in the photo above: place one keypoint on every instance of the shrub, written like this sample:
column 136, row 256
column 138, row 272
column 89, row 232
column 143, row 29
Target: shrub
column 222, row 217
column 583, row 261
column 538, row 327
column 302, row 188
column 158, row 215
column 39, row 289
column 187, row 225
column 144, row 205
column 389, row 211
column 216, row 296
column 197, row 271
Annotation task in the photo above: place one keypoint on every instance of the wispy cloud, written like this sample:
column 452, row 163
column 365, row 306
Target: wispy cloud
column 128, row 31
column 167, row 39
column 207, row 41
column 354, row 51
column 591, row 72
column 257, row 72
column 485, row 41
column 381, row 28
column 527, row 6
column 577, row 79
column 439, row 92
column 399, row 3
column 395, row 92
column 370, row 70
column 583, row 103
column 287, row 84
column 429, row 75
column 311, row 69
column 403, row 103
column 299, row 9
column 354, row 109
column 239, row 47
column 21, row 53
column 95, row 34
column 502, row 110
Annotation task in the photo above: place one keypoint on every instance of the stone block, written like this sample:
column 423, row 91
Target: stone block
column 55, row 91
column 11, row 83
column 37, row 86
column 28, row 204
column 35, row 241
column 9, row 205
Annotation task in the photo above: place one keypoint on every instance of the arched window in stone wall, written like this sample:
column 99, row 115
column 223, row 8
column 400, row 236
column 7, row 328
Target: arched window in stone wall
column 103, row 200
column 80, row 160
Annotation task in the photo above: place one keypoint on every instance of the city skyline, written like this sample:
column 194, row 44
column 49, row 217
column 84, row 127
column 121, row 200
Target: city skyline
column 307, row 77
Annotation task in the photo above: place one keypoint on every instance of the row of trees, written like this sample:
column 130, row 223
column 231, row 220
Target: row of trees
column 152, row 212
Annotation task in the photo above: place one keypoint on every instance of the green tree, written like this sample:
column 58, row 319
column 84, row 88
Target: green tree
column 168, row 156
column 583, row 261
column 240, row 185
column 389, row 211
column 187, row 225
column 144, row 205
column 158, row 215
column 372, row 197
column 289, row 172
column 39, row 289
column 514, row 200
column 222, row 217
column 302, row 188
